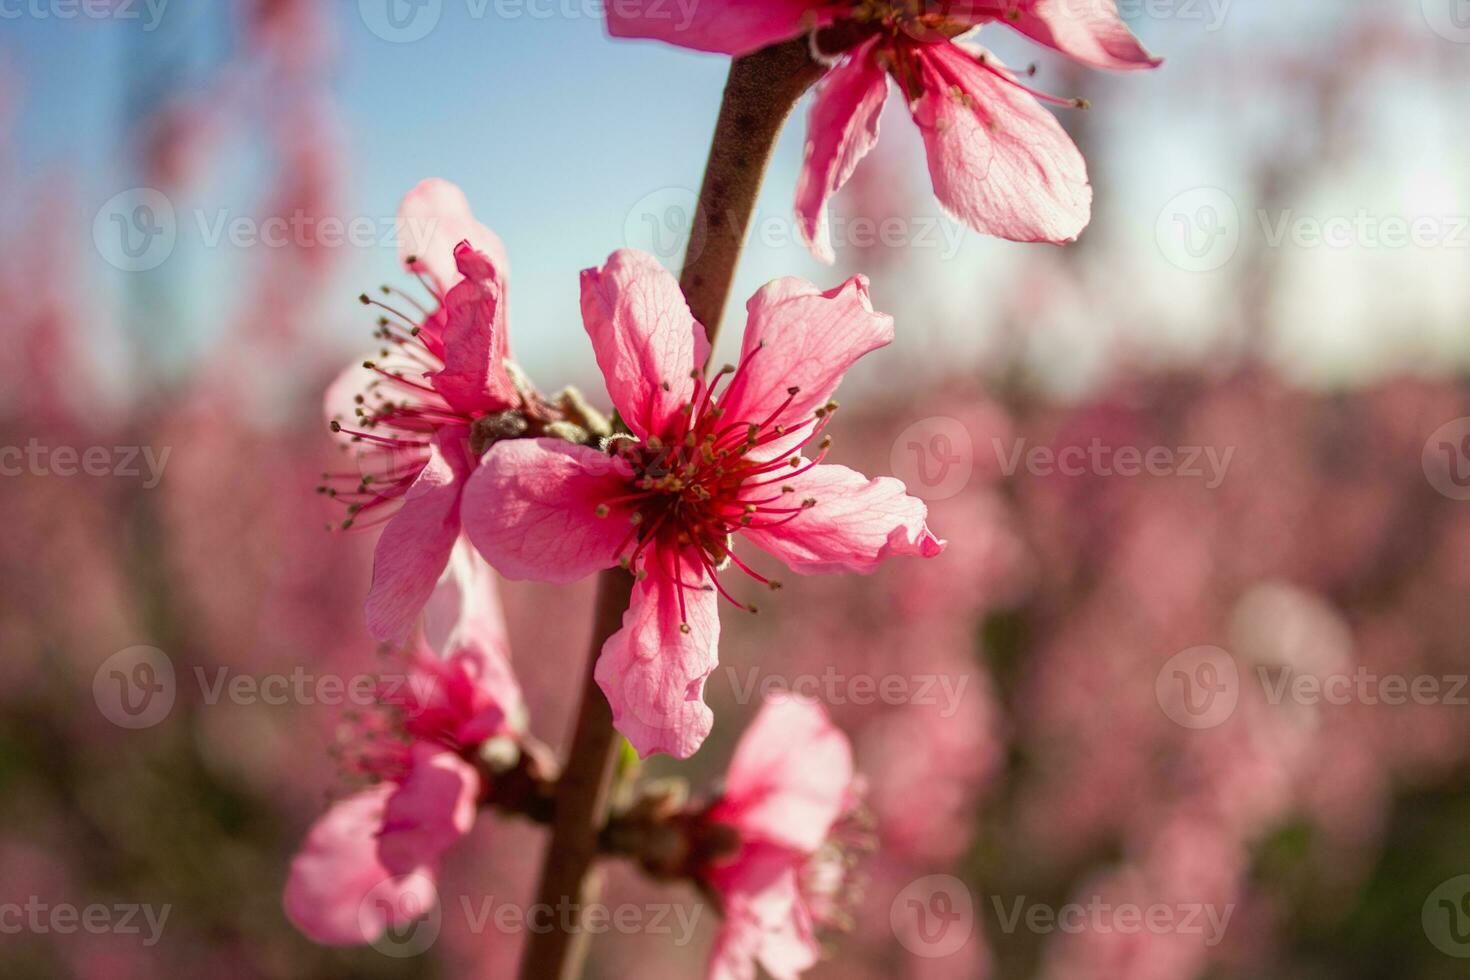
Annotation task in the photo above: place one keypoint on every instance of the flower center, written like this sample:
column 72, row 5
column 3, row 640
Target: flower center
column 693, row 490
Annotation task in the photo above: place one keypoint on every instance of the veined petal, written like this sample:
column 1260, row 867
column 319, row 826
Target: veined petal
column 429, row 811
column 842, row 128
column 414, row 547
column 790, row 777
column 337, row 869
column 797, row 336
column 720, row 26
column 646, row 341
column 854, row 525
column 433, row 219
column 1091, row 32
column 1000, row 162
column 653, row 670
column 474, row 378
column 531, row 509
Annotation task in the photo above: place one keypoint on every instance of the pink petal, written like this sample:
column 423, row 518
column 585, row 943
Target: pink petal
column 434, row 218
column 790, row 949
column 652, row 671
column 1000, row 162
column 798, row 336
column 737, row 945
column 481, row 620
column 842, row 129
column 1092, row 32
column 479, row 651
column 337, row 869
column 531, row 509
column 645, row 338
column 855, row 524
column 474, row 378
column 790, row 777
column 720, row 26
column 414, row 548
column 761, row 902
column 429, row 811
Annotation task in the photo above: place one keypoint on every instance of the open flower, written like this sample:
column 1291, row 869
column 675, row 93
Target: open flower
column 370, row 862
column 703, row 464
column 789, row 798
column 416, row 414
column 999, row 162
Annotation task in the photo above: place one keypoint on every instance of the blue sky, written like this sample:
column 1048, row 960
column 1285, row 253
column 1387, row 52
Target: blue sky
column 566, row 141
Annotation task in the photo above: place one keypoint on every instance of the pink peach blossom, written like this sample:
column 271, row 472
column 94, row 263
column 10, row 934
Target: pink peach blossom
column 998, row 161
column 787, row 791
column 372, row 859
column 411, row 422
column 699, row 468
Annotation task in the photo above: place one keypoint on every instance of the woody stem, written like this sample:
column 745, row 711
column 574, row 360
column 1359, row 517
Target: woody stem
column 761, row 90
column 760, row 93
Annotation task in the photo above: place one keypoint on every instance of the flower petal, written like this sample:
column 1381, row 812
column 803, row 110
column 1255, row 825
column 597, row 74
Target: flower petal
column 842, row 129
column 433, row 219
column 474, row 378
column 855, row 524
column 1092, row 32
column 798, row 336
column 429, row 811
column 1000, row 162
column 720, row 26
column 531, row 509
column 414, row 548
column 479, row 651
column 653, row 671
column 647, row 342
column 790, row 778
column 337, row 869
column 761, row 904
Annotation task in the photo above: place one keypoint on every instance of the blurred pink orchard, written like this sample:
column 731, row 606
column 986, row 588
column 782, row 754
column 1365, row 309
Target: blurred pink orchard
column 434, row 395
column 999, row 162
column 701, row 466
column 789, row 796
column 387, row 840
